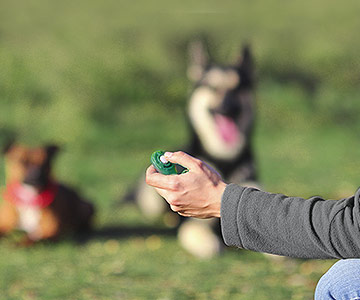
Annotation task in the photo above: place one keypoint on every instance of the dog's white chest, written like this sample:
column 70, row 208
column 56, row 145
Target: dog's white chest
column 29, row 214
column 29, row 217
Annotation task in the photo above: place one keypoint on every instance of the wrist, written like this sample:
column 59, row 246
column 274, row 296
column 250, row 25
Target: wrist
column 220, row 188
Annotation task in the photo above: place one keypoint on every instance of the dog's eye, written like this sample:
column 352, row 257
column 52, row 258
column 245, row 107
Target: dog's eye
column 24, row 162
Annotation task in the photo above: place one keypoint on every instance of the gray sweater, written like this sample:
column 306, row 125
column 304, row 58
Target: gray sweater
column 290, row 226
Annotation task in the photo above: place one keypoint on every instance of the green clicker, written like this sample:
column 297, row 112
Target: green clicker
column 163, row 166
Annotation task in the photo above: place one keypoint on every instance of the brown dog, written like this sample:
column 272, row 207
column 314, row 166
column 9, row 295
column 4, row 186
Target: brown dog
column 34, row 201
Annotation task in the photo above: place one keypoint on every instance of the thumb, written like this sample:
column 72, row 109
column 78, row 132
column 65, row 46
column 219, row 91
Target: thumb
column 183, row 159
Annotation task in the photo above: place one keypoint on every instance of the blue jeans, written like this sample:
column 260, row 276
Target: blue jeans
column 342, row 281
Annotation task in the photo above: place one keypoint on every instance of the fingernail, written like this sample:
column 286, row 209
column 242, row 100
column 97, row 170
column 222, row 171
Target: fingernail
column 163, row 159
column 168, row 154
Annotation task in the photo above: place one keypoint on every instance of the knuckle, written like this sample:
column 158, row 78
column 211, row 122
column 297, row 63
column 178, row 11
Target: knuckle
column 173, row 185
column 175, row 201
column 175, row 208
column 171, row 199
column 180, row 153
column 200, row 164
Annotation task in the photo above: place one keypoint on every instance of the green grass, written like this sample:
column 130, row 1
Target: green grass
column 150, row 267
column 106, row 80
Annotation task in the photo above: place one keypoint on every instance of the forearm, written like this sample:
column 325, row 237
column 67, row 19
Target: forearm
column 290, row 226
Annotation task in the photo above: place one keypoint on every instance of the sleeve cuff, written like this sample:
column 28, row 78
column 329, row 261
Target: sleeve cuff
column 229, row 213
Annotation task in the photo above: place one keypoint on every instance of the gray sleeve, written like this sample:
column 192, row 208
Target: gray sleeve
column 290, row 226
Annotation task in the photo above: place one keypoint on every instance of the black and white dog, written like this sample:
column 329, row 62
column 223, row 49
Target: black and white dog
column 221, row 111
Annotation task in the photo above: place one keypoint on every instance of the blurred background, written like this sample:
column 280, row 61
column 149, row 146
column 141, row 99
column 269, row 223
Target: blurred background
column 107, row 81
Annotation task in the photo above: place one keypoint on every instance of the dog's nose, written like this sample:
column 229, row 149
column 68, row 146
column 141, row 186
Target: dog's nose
column 36, row 176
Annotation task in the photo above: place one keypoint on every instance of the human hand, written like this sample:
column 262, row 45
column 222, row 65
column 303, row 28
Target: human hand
column 196, row 193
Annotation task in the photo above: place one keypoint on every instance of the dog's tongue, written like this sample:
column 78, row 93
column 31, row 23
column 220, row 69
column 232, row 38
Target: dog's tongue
column 227, row 129
column 26, row 192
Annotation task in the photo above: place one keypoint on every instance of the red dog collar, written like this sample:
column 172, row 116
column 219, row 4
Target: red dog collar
column 18, row 194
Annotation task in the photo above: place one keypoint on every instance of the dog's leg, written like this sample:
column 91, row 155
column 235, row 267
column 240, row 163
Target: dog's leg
column 154, row 207
column 8, row 217
column 86, row 213
column 151, row 205
column 49, row 226
column 199, row 237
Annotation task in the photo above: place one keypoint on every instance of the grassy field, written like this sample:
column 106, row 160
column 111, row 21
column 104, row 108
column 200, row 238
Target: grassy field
column 107, row 81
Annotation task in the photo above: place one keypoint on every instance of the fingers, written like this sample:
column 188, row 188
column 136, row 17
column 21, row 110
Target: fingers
column 154, row 178
column 158, row 180
column 183, row 159
column 175, row 208
column 151, row 170
column 185, row 212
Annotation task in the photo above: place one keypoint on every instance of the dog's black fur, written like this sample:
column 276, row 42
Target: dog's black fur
column 236, row 103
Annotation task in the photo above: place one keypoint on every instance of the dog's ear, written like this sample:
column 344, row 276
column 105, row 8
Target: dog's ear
column 246, row 66
column 198, row 60
column 51, row 151
column 7, row 146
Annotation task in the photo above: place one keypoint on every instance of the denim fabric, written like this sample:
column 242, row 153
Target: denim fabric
column 341, row 282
